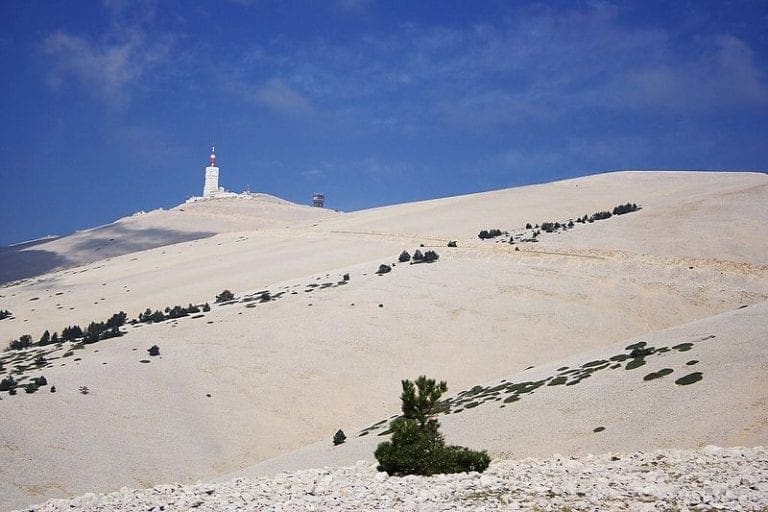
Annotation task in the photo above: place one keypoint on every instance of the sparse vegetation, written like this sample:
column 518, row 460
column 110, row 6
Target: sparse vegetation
column 430, row 256
column 625, row 208
column 8, row 383
column 490, row 233
column 404, row 256
column 71, row 333
column 23, row 342
column 225, row 296
column 4, row 313
column 452, row 243
column 154, row 350
column 384, row 269
column 339, row 437
column 417, row 447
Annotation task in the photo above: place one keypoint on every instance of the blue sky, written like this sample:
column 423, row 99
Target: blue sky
column 110, row 107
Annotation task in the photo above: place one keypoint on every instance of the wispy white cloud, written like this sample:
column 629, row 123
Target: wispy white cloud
column 107, row 70
column 273, row 94
column 111, row 66
column 537, row 66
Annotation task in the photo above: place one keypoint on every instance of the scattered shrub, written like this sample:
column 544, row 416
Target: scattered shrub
column 116, row 320
column 339, row 437
column 71, row 333
column 265, row 297
column 225, row 296
column 149, row 316
column 206, row 307
column 417, row 446
column 430, row 256
column 154, row 350
column 383, row 269
column 601, row 215
column 98, row 331
column 31, row 387
column 4, row 313
column 491, row 233
column 625, row 208
column 689, row 379
column 345, row 277
column 452, row 243
column 45, row 339
column 404, row 256
column 528, row 226
column 40, row 381
column 23, row 342
column 417, row 256
column 53, row 389
column 8, row 383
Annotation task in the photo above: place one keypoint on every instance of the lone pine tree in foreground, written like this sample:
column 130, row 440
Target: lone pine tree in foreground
column 417, row 447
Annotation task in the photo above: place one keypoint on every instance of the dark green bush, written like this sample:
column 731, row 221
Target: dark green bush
column 490, row 233
column 8, row 383
column 452, row 243
column 417, row 256
column 116, row 320
column 154, row 350
column 339, row 437
column 4, row 313
column 71, row 333
column 430, row 256
column 404, row 256
column 21, row 343
column 625, row 208
column 383, row 269
column 149, row 316
column 225, row 296
column 206, row 307
column 601, row 215
column 417, row 447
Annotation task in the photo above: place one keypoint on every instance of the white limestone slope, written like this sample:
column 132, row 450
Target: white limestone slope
column 289, row 372
column 148, row 230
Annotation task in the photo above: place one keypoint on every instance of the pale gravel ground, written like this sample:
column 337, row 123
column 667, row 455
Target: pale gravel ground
column 711, row 479
column 483, row 312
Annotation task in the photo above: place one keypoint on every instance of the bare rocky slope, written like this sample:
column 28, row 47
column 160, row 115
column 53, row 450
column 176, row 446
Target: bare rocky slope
column 265, row 376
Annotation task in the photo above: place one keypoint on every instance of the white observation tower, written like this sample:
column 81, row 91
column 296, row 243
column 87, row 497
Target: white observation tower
column 211, row 186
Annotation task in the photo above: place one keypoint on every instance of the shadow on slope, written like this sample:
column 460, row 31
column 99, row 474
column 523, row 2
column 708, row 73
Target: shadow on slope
column 19, row 262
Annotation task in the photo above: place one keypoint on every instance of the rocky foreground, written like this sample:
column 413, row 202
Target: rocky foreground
column 711, row 479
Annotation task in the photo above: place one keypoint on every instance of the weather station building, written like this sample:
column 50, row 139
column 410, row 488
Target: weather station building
column 211, row 188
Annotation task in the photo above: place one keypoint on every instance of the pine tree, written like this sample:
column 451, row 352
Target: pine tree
column 339, row 437
column 417, row 446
